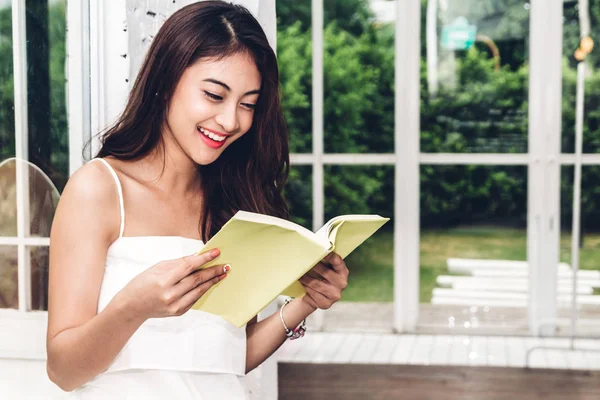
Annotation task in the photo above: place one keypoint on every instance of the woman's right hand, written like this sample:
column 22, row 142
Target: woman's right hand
column 170, row 288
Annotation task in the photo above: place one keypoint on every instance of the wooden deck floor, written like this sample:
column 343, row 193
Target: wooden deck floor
column 415, row 382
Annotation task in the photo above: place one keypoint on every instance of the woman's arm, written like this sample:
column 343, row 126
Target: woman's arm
column 78, row 354
column 80, row 346
column 266, row 336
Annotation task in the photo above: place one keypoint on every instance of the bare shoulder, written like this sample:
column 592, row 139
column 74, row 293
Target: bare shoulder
column 90, row 196
column 92, row 180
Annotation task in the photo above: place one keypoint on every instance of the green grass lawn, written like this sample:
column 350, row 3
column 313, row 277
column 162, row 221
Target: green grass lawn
column 371, row 265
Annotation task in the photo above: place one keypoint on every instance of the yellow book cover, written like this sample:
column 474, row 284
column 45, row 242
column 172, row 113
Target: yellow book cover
column 268, row 255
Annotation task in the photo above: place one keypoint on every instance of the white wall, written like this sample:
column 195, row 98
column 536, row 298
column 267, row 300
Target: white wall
column 22, row 357
column 26, row 379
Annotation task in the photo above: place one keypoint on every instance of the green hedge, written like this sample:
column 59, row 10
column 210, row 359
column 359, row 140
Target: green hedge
column 485, row 111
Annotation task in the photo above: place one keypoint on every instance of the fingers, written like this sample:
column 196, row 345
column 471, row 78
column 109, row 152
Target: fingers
column 337, row 263
column 189, row 264
column 324, row 289
column 318, row 300
column 200, row 276
column 195, row 285
column 331, row 276
column 189, row 299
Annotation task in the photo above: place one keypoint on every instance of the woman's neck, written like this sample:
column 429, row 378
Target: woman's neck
column 180, row 173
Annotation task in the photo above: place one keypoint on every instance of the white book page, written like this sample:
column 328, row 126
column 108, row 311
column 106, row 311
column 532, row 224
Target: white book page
column 269, row 220
column 326, row 229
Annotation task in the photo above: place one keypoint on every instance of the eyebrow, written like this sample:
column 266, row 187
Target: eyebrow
column 216, row 82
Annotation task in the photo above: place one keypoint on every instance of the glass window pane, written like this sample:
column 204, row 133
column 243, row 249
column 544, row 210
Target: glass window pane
column 298, row 193
column 294, row 52
column 8, row 198
column 47, row 169
column 39, row 277
column 358, row 77
column 9, row 291
column 364, row 190
column 46, row 53
column 42, row 199
column 588, row 281
column 474, row 80
column 473, row 249
column 571, row 42
column 7, row 105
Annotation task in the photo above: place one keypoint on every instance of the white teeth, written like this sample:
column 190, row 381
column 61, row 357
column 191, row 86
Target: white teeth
column 211, row 135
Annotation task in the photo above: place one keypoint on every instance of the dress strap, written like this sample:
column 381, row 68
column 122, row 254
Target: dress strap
column 120, row 190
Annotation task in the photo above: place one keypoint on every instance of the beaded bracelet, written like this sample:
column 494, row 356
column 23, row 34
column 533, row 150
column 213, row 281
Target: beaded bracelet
column 299, row 331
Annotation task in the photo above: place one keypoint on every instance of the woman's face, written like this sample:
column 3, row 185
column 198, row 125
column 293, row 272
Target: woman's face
column 213, row 106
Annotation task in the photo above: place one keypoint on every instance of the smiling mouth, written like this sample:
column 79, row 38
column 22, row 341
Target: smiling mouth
column 211, row 135
column 211, row 139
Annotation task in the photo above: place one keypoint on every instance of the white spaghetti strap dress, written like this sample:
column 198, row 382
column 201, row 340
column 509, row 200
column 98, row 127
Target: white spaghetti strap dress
column 196, row 356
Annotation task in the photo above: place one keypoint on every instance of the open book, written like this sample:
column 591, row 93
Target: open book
column 268, row 255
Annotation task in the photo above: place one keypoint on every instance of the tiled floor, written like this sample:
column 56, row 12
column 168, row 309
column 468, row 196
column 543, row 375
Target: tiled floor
column 459, row 350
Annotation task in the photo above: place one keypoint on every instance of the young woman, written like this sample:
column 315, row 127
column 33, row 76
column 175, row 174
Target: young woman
column 201, row 137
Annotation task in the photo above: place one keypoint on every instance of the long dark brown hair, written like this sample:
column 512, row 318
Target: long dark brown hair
column 251, row 172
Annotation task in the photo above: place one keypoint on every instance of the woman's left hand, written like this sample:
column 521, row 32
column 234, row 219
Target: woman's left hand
column 324, row 292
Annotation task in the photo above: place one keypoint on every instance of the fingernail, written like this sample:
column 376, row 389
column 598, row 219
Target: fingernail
column 226, row 268
column 215, row 252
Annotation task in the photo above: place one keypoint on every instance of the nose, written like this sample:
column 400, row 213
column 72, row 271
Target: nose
column 228, row 119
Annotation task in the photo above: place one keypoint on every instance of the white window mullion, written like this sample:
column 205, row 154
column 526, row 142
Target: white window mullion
column 31, row 241
column 301, row 159
column 586, row 159
column 97, row 84
column 21, row 150
column 576, row 217
column 407, row 147
column 437, row 159
column 20, row 79
column 318, row 183
column 474, row 159
column 78, row 81
column 543, row 193
column 317, row 113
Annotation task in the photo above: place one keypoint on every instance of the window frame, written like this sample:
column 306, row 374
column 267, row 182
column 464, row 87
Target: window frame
column 543, row 159
column 23, row 330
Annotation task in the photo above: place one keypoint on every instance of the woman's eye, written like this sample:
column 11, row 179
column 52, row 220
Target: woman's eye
column 212, row 96
column 249, row 106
